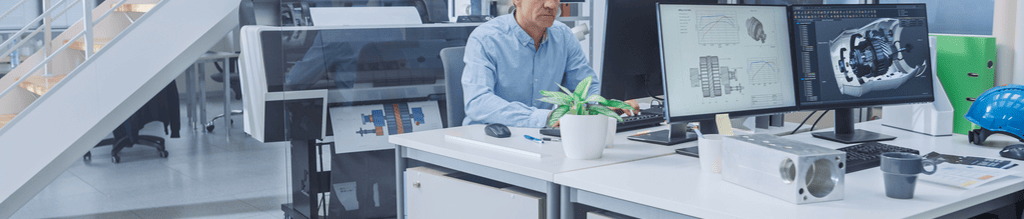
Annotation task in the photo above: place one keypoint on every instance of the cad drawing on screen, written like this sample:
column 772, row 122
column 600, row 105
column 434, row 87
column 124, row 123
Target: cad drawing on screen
column 870, row 58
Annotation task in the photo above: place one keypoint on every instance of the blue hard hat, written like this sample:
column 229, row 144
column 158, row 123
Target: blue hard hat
column 998, row 110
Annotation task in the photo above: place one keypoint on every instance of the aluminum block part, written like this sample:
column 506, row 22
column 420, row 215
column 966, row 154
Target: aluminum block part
column 790, row 170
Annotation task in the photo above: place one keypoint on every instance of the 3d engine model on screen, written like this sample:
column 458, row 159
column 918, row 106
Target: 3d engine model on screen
column 755, row 29
column 870, row 58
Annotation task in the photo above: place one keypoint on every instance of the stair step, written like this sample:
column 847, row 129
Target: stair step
column 97, row 44
column 39, row 85
column 6, row 118
column 7, row 59
column 134, row 7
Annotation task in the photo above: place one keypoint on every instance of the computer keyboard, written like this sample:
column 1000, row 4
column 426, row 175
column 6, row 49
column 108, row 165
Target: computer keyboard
column 869, row 154
column 645, row 119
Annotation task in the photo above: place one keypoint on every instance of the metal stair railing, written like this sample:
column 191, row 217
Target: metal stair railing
column 87, row 22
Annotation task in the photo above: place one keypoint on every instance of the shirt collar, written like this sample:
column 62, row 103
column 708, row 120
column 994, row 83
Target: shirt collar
column 521, row 34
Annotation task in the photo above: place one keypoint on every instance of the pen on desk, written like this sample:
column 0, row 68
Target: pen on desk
column 531, row 138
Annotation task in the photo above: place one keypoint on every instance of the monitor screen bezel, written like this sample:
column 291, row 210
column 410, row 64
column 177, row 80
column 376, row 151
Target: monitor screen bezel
column 710, row 116
column 618, row 76
column 855, row 103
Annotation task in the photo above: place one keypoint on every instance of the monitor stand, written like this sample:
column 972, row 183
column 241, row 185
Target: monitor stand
column 846, row 134
column 676, row 133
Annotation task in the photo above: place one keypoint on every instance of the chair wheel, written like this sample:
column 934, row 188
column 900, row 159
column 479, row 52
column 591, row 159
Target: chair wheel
column 209, row 128
column 164, row 154
column 87, row 156
column 115, row 159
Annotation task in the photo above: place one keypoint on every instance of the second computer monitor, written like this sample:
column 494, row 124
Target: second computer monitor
column 862, row 55
column 725, row 59
column 853, row 56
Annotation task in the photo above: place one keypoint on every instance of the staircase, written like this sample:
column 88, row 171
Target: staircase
column 61, row 101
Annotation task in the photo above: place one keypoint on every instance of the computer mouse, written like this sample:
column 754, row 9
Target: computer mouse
column 497, row 130
column 1013, row 151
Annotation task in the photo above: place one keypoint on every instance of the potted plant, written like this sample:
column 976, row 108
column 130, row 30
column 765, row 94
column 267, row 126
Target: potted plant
column 583, row 119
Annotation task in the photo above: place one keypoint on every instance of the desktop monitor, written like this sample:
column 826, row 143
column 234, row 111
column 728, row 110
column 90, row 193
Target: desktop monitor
column 853, row 56
column 723, row 59
column 631, row 66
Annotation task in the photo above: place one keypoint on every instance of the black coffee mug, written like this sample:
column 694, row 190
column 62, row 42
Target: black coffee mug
column 899, row 170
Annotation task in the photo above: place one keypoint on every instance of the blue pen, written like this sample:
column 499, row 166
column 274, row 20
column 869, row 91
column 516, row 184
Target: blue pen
column 531, row 138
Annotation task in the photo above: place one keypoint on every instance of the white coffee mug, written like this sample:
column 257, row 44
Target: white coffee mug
column 710, row 150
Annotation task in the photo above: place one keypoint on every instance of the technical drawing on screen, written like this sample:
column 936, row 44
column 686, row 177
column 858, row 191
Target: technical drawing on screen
column 726, row 58
column 871, row 58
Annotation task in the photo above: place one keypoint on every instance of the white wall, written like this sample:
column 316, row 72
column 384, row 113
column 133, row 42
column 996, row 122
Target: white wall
column 1004, row 24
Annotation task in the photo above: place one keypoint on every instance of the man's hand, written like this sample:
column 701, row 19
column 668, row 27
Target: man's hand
column 632, row 103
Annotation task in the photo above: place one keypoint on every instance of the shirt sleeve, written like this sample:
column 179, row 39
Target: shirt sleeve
column 481, row 103
column 578, row 68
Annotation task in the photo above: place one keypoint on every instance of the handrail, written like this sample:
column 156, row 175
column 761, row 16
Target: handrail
column 112, row 9
column 12, row 9
column 30, row 35
column 41, row 16
column 86, row 32
column 40, row 65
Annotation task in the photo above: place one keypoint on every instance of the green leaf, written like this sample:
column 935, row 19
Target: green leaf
column 582, row 87
column 566, row 90
column 617, row 104
column 557, row 114
column 595, row 98
column 556, row 98
column 581, row 108
column 603, row 110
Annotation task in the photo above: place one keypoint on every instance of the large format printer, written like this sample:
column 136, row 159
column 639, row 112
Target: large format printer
column 374, row 81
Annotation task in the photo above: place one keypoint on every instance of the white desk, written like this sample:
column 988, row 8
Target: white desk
column 195, row 87
column 530, row 173
column 672, row 186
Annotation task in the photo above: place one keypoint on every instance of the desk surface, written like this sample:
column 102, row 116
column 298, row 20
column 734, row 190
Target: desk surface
column 543, row 168
column 674, row 183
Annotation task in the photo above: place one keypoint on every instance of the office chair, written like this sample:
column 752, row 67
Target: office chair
column 451, row 58
column 163, row 107
column 236, row 87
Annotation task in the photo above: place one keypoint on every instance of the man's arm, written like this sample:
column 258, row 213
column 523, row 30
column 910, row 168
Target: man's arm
column 578, row 68
column 481, row 103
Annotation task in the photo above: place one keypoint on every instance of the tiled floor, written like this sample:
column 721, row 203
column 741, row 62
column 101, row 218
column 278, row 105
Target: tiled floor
column 205, row 176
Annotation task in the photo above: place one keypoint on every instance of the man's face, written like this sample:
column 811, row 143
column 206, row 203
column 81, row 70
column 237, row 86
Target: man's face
column 537, row 13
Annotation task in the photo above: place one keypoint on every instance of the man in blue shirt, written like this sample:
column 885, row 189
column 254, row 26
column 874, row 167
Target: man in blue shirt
column 511, row 58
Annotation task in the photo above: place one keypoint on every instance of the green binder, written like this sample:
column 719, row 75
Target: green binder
column 966, row 69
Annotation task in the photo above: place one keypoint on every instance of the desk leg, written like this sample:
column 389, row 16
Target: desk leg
column 190, row 103
column 202, row 95
column 400, row 166
column 552, row 200
column 227, row 99
column 567, row 211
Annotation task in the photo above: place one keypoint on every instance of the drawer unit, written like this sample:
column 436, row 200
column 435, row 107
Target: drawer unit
column 435, row 192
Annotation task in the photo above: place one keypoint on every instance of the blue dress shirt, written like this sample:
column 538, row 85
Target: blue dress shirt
column 504, row 74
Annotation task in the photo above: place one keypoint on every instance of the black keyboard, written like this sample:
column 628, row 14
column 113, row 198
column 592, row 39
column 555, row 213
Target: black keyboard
column 643, row 120
column 869, row 155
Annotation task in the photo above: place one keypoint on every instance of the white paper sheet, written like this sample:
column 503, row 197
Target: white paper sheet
column 964, row 176
column 355, row 132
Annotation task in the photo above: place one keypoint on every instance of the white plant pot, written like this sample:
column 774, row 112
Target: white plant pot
column 612, row 125
column 583, row 137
